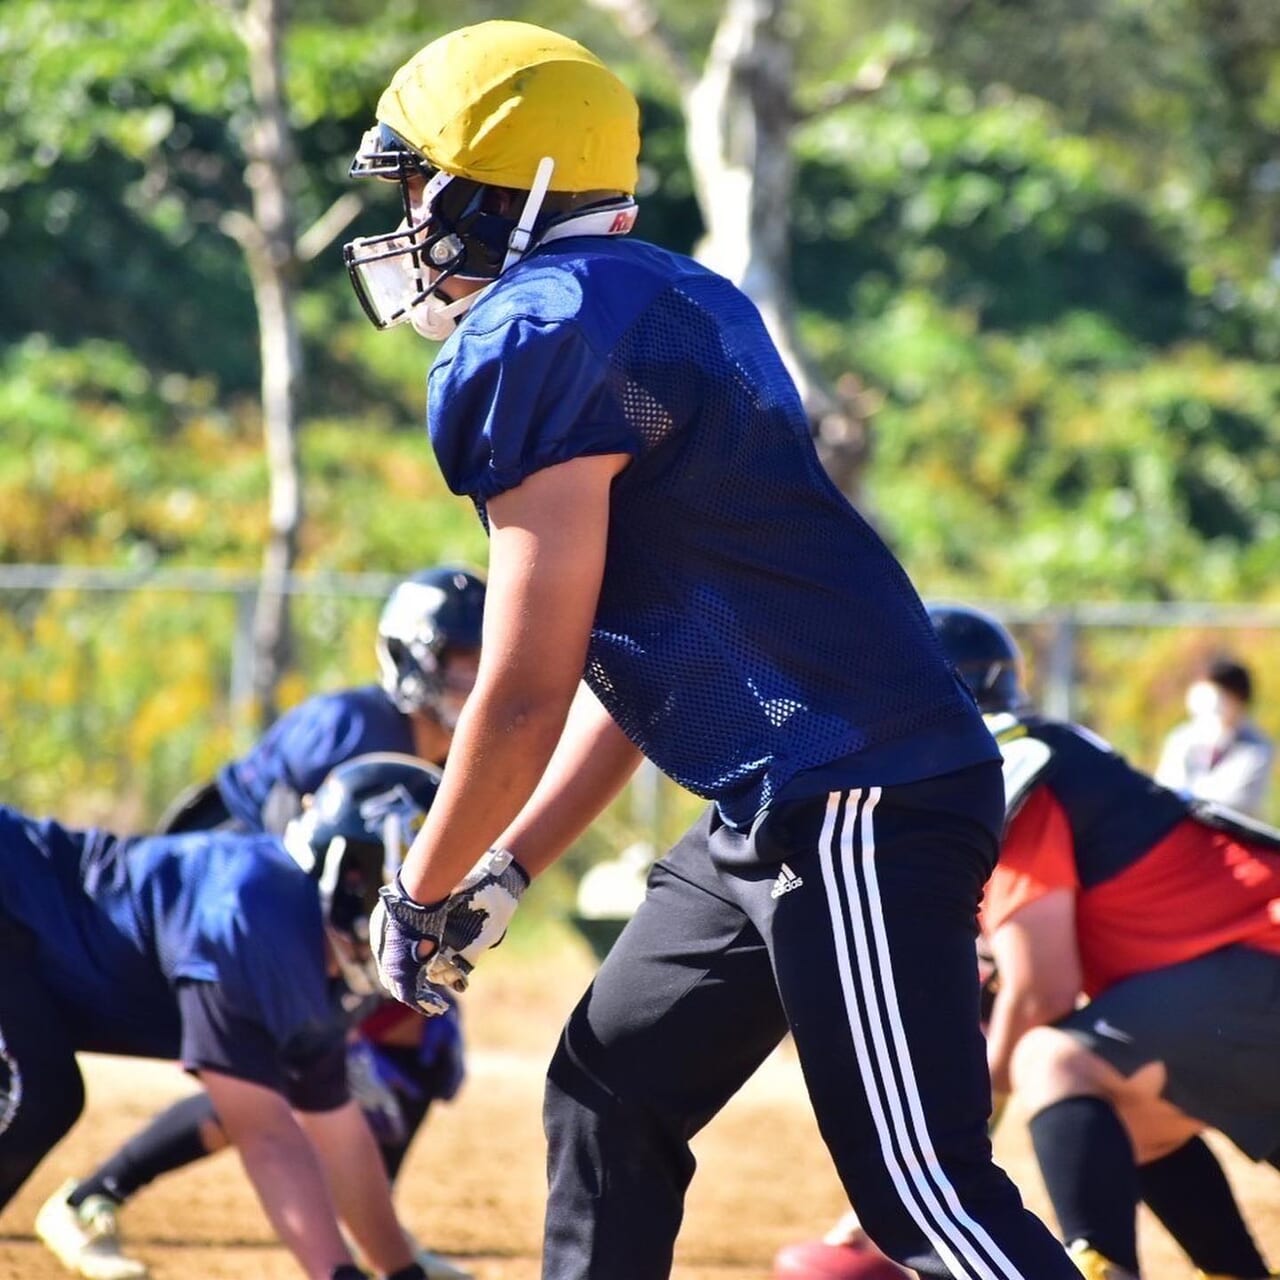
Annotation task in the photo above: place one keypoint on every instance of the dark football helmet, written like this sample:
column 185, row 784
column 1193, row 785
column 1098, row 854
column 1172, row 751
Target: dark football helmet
column 984, row 654
column 425, row 617
column 351, row 838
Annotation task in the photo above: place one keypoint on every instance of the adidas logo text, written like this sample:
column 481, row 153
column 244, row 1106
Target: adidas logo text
column 786, row 881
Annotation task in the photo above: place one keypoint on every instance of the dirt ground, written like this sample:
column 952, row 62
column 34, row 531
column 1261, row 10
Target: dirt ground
column 473, row 1185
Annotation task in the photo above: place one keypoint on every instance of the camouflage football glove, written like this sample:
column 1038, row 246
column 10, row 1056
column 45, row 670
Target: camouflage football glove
column 396, row 927
column 471, row 919
column 477, row 914
column 375, row 1094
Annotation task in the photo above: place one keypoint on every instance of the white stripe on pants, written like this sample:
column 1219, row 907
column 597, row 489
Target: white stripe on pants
column 884, row 1058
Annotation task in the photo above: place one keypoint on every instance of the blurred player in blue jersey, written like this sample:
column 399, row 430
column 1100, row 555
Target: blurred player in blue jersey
column 428, row 648
column 660, row 526
column 215, row 948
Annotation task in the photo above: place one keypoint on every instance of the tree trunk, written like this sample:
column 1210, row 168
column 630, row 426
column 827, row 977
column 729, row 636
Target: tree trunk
column 739, row 112
column 269, row 242
column 739, row 115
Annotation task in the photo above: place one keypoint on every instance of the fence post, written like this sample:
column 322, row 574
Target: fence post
column 646, row 803
column 243, row 726
column 1059, row 682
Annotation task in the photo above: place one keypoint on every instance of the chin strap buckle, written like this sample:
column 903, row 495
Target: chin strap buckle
column 521, row 239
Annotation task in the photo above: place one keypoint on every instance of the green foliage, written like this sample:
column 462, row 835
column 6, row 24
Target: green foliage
column 1045, row 249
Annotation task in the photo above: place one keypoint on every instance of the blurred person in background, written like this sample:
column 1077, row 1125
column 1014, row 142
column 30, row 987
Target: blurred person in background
column 428, row 650
column 1161, row 913
column 219, row 950
column 399, row 1063
column 1218, row 753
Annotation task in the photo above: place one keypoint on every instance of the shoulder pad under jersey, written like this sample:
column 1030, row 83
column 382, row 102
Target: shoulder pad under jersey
column 1024, row 759
column 1239, row 826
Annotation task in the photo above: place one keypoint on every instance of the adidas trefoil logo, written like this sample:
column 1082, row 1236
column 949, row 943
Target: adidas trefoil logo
column 786, row 881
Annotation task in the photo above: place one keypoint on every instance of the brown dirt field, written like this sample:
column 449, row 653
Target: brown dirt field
column 473, row 1186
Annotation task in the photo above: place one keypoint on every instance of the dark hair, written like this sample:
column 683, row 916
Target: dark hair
column 1231, row 677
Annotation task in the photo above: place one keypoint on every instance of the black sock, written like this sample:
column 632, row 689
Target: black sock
column 1189, row 1193
column 170, row 1141
column 1087, row 1164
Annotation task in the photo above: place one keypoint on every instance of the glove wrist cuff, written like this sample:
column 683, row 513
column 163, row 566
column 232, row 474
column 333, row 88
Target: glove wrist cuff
column 419, row 918
column 499, row 861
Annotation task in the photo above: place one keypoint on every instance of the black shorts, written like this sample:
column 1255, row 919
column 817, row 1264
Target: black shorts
column 1215, row 1024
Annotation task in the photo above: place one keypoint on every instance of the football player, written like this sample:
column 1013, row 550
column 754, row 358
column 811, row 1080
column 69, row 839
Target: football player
column 427, row 648
column 660, row 523
column 1163, row 912
column 215, row 949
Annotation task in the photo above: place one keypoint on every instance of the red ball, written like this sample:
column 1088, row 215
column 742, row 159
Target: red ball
column 813, row 1260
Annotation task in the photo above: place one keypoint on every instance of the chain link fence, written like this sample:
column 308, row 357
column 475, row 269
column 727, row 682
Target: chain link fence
column 117, row 689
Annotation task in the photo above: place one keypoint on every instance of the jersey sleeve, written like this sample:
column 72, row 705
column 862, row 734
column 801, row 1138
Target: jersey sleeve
column 1037, row 856
column 262, row 945
column 320, row 734
column 219, row 1037
column 519, row 398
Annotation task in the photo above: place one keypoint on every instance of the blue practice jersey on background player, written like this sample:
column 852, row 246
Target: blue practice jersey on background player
column 118, row 923
column 743, row 596
column 302, row 746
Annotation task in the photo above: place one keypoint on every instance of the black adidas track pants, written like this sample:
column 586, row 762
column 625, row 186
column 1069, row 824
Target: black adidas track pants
column 862, row 944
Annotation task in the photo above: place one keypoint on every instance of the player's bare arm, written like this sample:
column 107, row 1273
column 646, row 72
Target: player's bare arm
column 1038, row 959
column 284, row 1169
column 548, row 538
column 592, row 762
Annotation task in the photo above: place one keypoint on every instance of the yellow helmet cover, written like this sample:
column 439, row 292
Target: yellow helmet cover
column 488, row 102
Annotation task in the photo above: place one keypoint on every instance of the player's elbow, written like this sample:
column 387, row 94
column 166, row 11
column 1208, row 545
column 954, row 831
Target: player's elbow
column 1045, row 1002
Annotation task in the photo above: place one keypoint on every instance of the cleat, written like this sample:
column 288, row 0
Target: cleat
column 1093, row 1266
column 86, row 1239
column 438, row 1268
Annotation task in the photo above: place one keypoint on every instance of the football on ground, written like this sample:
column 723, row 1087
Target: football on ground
column 813, row 1260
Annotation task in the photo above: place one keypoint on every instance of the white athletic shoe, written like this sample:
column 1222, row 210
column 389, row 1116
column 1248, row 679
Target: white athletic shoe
column 86, row 1239
column 1093, row 1266
column 438, row 1268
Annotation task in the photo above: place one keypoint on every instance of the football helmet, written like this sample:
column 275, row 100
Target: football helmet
column 984, row 654
column 351, row 838
column 499, row 105
column 425, row 618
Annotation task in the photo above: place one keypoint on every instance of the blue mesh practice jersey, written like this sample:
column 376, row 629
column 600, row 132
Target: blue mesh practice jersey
column 754, row 637
column 119, row 923
column 300, row 749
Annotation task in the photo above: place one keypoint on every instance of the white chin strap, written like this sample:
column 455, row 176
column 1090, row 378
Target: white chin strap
column 436, row 319
column 521, row 238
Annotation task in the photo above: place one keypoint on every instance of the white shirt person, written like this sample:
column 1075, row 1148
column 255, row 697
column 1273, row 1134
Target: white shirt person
column 1219, row 753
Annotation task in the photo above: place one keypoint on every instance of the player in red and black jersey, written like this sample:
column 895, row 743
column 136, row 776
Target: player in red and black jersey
column 1165, row 914
column 1137, row 938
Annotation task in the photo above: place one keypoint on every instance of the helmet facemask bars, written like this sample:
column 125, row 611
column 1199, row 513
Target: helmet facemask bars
column 397, row 275
column 445, row 234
